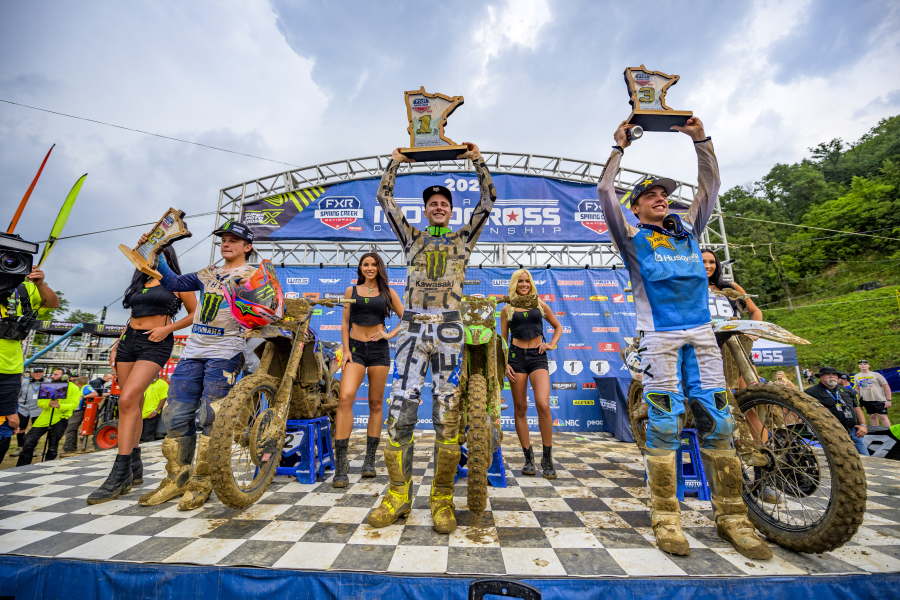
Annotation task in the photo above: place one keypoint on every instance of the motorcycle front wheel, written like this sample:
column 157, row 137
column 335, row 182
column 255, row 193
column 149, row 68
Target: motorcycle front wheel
column 237, row 481
column 478, row 441
column 814, row 472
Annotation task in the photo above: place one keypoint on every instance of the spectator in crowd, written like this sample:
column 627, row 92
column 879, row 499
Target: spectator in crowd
column 808, row 376
column 101, row 382
column 875, row 392
column 846, row 382
column 154, row 401
column 51, row 421
column 74, row 425
column 29, row 410
column 840, row 404
column 781, row 379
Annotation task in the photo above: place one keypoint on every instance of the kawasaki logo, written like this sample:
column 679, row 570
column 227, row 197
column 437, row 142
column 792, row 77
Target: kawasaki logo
column 436, row 263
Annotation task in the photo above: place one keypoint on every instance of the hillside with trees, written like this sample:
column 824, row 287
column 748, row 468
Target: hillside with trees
column 789, row 238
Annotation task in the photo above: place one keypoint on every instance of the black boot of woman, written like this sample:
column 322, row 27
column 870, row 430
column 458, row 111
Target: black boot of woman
column 547, row 463
column 119, row 481
column 368, row 468
column 528, row 469
column 342, row 465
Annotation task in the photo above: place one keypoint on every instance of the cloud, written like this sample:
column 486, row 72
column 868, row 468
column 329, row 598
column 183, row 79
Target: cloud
column 311, row 82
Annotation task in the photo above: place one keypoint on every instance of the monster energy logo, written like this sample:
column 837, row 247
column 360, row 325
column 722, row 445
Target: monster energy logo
column 367, row 301
column 437, row 264
column 209, row 306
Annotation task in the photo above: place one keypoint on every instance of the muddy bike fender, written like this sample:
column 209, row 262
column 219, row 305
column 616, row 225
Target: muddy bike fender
column 768, row 331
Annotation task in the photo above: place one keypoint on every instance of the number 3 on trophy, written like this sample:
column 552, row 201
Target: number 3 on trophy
column 646, row 95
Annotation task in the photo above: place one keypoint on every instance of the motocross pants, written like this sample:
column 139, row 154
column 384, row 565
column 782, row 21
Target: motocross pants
column 195, row 390
column 688, row 358
column 418, row 346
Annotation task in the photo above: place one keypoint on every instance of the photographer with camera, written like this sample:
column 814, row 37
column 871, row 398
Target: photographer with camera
column 19, row 305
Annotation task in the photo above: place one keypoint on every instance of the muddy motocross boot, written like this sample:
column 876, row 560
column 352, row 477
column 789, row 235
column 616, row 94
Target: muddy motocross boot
column 368, row 468
column 342, row 465
column 137, row 467
column 398, row 500
column 528, row 467
column 723, row 472
column 179, row 453
column 446, row 459
column 665, row 512
column 199, row 488
column 547, row 463
column 118, row 483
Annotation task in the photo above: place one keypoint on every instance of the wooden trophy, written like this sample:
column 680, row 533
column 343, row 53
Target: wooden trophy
column 647, row 96
column 427, row 115
column 145, row 257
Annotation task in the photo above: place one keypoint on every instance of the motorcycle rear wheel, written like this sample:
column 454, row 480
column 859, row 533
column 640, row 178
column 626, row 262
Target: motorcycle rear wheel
column 478, row 440
column 238, row 482
column 814, row 469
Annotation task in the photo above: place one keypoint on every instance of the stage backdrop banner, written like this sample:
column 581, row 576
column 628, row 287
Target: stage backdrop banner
column 536, row 209
column 591, row 305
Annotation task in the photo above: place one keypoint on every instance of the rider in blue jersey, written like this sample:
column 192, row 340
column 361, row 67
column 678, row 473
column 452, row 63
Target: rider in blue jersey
column 678, row 349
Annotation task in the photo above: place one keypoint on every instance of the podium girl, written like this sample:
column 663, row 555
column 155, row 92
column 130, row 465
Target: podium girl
column 365, row 352
column 528, row 361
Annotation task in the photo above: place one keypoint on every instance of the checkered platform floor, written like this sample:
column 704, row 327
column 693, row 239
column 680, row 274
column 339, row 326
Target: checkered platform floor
column 593, row 521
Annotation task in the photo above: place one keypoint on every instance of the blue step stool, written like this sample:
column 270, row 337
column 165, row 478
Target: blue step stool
column 309, row 450
column 691, row 476
column 496, row 472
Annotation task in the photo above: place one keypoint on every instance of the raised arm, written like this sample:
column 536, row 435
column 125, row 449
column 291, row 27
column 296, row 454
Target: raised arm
column 472, row 229
column 708, row 181
column 619, row 229
column 177, row 283
column 393, row 214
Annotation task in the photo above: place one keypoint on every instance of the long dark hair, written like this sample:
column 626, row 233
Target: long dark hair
column 381, row 279
column 138, row 280
column 716, row 277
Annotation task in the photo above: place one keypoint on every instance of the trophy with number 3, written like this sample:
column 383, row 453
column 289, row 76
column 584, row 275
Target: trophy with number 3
column 647, row 96
column 145, row 257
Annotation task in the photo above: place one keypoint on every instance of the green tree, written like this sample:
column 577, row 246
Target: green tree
column 81, row 316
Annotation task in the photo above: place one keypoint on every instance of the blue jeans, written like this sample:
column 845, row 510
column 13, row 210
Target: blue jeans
column 196, row 388
column 859, row 443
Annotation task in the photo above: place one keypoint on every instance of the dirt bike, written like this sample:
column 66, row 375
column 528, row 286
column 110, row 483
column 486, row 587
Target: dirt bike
column 788, row 444
column 480, row 383
column 295, row 380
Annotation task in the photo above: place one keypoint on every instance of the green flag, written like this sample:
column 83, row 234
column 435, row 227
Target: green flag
column 64, row 213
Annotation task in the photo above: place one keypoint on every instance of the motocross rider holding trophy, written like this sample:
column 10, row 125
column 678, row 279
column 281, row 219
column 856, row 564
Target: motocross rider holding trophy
column 431, row 332
column 677, row 346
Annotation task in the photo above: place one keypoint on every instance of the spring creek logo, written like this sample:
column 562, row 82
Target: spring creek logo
column 436, row 264
column 209, row 306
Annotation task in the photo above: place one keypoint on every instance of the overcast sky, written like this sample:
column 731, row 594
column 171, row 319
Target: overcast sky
column 310, row 82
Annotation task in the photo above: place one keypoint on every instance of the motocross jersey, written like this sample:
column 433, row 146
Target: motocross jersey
column 670, row 285
column 215, row 332
column 436, row 259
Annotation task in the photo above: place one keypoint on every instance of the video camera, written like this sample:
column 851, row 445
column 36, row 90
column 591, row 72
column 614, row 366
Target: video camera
column 16, row 261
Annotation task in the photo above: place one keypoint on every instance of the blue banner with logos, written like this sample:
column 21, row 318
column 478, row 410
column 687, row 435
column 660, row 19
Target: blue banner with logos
column 592, row 306
column 528, row 208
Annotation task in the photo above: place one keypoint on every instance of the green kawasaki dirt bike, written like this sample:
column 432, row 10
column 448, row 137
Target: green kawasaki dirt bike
column 295, row 380
column 480, row 383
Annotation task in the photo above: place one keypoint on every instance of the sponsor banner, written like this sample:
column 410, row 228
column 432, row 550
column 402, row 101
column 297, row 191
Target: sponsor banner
column 533, row 209
column 593, row 331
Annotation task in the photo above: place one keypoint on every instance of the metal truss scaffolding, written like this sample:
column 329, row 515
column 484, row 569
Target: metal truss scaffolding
column 512, row 254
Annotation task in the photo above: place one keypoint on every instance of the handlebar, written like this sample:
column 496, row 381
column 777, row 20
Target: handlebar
column 731, row 294
column 530, row 301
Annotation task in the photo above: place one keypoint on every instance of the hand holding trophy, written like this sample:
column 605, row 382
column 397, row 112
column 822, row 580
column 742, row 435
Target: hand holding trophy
column 145, row 256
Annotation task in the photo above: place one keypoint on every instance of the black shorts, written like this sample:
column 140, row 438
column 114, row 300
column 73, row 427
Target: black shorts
column 527, row 360
column 135, row 345
column 874, row 408
column 371, row 354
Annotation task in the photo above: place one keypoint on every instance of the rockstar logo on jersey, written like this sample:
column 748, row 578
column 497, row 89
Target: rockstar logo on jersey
column 209, row 306
column 660, row 240
column 436, row 264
